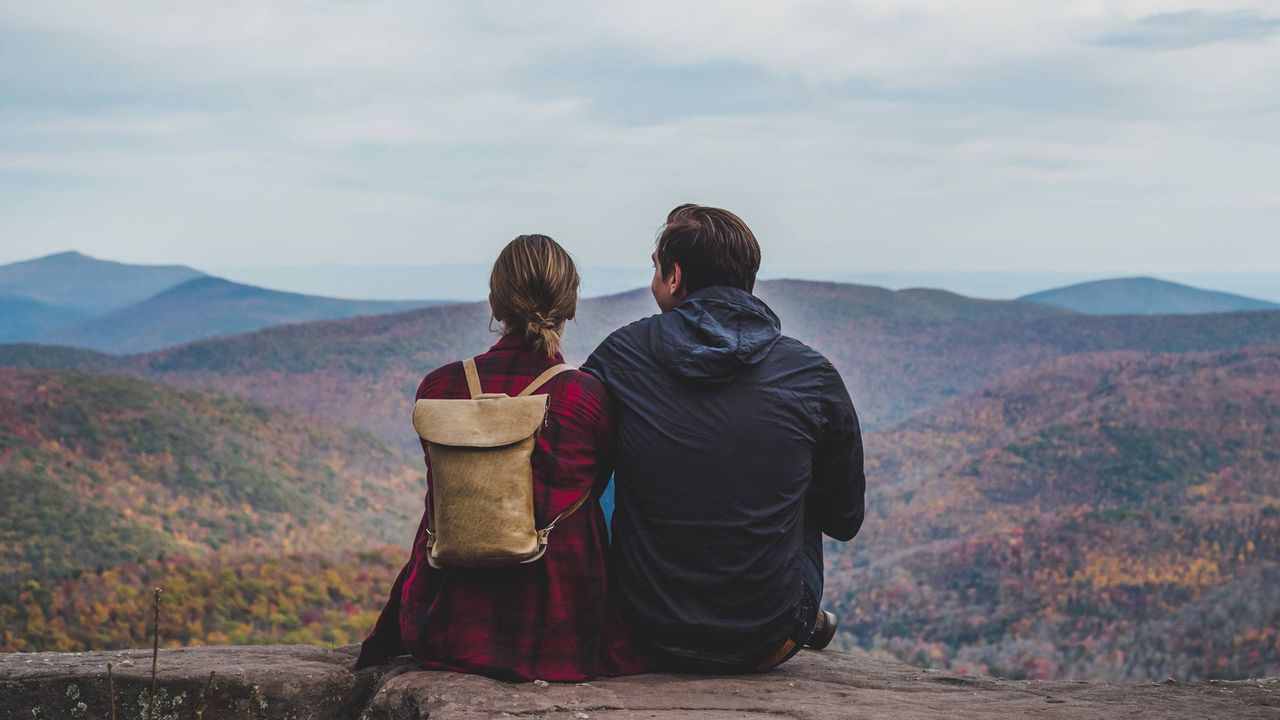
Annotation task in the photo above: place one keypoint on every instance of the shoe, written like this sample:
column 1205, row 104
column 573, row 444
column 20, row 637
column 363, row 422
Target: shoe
column 823, row 630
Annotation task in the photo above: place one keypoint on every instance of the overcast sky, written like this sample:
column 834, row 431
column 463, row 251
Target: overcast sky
column 1103, row 136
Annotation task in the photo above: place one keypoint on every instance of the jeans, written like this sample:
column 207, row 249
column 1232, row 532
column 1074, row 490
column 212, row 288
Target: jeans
column 811, row 581
column 811, row 564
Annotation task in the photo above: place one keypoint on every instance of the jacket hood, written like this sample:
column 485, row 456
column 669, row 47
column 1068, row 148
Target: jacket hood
column 715, row 334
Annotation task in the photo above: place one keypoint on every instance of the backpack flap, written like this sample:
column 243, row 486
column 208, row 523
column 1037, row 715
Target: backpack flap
column 487, row 422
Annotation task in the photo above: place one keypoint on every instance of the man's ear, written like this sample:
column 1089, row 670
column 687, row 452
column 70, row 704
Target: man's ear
column 675, row 281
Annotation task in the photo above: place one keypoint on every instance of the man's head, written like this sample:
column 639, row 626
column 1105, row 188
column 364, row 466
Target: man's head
column 700, row 247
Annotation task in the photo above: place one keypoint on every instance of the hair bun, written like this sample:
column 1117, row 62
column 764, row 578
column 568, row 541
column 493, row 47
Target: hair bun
column 540, row 322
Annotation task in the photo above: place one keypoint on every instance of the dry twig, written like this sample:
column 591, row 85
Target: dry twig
column 155, row 651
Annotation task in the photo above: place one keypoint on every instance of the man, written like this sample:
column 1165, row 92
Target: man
column 738, row 447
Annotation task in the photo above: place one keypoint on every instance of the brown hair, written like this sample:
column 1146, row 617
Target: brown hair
column 533, row 290
column 713, row 247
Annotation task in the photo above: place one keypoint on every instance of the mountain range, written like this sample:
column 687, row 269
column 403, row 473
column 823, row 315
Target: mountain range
column 1051, row 493
column 1144, row 296
column 469, row 282
column 206, row 307
column 73, row 300
column 898, row 351
column 90, row 286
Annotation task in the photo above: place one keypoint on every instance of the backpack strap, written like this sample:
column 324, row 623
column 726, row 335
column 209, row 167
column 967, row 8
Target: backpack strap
column 544, row 378
column 545, row 532
column 473, row 377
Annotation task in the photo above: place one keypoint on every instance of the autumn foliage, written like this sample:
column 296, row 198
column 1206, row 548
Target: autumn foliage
column 313, row 599
column 1050, row 494
column 99, row 471
column 1108, row 516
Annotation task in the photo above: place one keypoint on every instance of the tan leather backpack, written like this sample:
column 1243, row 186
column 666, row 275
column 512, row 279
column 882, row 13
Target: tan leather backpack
column 480, row 509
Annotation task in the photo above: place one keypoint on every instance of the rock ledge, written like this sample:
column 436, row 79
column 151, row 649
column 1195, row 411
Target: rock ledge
column 309, row 683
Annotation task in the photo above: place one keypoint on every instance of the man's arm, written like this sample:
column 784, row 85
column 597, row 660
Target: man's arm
column 606, row 450
column 839, row 485
column 597, row 364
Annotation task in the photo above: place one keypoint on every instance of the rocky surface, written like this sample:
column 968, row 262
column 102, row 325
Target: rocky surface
column 308, row 683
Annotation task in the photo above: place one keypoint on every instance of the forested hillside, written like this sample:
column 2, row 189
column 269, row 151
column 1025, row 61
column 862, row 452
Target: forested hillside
column 322, row 599
column 1050, row 494
column 1105, row 516
column 899, row 352
column 98, row 470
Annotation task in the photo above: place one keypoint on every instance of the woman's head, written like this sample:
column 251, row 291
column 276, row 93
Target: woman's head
column 533, row 290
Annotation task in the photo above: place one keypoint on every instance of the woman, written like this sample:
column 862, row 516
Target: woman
column 549, row 619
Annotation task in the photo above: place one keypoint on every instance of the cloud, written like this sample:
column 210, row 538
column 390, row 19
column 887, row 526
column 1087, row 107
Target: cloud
column 907, row 43
column 1191, row 28
column 911, row 133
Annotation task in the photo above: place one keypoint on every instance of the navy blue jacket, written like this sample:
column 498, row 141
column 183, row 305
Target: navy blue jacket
column 728, row 433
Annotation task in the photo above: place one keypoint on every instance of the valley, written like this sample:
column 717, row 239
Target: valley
column 1051, row 494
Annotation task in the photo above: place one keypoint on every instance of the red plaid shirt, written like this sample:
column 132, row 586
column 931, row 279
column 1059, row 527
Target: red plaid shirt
column 550, row 619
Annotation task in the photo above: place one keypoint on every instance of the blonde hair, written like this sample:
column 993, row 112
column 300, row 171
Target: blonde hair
column 533, row 290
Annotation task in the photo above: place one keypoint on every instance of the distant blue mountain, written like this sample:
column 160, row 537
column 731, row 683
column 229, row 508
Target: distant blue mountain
column 207, row 307
column 88, row 285
column 23, row 318
column 460, row 283
column 1144, row 296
